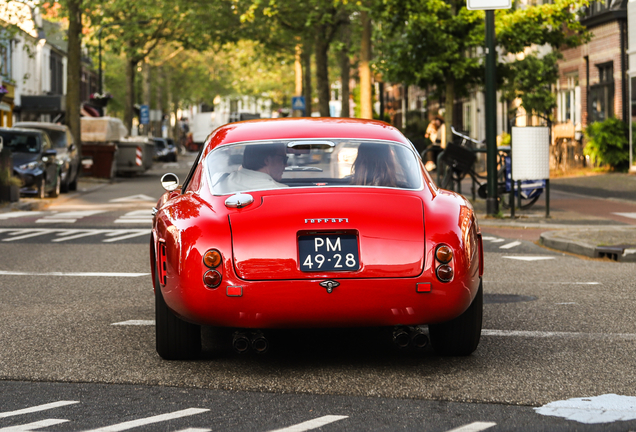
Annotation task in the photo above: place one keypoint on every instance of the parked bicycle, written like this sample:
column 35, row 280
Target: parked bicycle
column 458, row 160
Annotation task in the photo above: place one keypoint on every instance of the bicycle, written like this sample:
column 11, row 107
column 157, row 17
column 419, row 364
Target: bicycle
column 458, row 160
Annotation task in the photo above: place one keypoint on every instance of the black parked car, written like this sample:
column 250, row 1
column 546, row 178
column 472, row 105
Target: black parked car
column 67, row 153
column 164, row 151
column 34, row 161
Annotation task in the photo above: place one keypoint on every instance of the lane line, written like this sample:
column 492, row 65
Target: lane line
column 547, row 283
column 312, row 424
column 37, row 408
column 134, row 221
column 71, row 274
column 627, row 215
column 558, row 334
column 31, row 233
column 17, row 214
column 134, row 234
column 135, row 323
column 529, row 258
column 510, row 245
column 150, row 420
column 195, row 430
column 35, row 425
column 65, row 236
column 474, row 427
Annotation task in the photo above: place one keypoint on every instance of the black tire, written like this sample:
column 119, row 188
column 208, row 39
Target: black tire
column 175, row 338
column 72, row 186
column 64, row 188
column 459, row 337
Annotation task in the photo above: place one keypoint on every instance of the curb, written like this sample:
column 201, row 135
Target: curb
column 563, row 241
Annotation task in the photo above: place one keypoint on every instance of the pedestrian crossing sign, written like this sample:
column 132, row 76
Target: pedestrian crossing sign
column 298, row 103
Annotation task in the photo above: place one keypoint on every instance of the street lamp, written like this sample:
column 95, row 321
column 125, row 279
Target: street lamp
column 99, row 39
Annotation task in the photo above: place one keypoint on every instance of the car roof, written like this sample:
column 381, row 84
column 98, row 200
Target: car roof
column 23, row 130
column 305, row 128
column 43, row 125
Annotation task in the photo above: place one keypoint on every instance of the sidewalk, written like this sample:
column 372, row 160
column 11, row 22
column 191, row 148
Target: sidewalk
column 593, row 216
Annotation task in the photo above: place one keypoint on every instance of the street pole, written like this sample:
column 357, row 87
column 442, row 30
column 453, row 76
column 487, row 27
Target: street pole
column 99, row 39
column 492, row 203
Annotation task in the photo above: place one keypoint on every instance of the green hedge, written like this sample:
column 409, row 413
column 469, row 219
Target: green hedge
column 608, row 143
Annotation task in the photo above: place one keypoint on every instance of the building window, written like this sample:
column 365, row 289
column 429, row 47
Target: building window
column 5, row 59
column 602, row 94
column 57, row 74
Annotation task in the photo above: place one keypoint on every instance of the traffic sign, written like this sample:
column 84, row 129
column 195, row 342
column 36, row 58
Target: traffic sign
column 488, row 4
column 144, row 114
column 298, row 103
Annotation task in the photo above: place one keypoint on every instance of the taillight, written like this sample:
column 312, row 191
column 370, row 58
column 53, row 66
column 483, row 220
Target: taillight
column 212, row 259
column 444, row 256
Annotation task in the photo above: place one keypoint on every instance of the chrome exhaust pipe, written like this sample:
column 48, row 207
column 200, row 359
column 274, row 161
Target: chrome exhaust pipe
column 240, row 342
column 401, row 337
column 259, row 343
column 419, row 339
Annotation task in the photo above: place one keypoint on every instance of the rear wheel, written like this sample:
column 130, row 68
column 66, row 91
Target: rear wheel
column 176, row 339
column 459, row 337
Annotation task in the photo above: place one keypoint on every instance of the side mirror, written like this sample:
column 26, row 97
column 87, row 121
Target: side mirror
column 71, row 148
column 170, row 182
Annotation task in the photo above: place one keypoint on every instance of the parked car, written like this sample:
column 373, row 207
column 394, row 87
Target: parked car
column 35, row 161
column 67, row 152
column 250, row 243
column 164, row 151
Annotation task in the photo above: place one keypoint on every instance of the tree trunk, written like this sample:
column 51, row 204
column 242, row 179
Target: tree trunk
column 345, row 70
column 307, row 90
column 130, row 93
column 298, row 76
column 145, row 93
column 322, row 71
column 448, row 107
column 366, row 100
column 74, row 71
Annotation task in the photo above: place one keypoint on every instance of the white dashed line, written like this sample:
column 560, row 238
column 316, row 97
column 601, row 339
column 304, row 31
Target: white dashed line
column 150, row 420
column 35, row 425
column 627, row 215
column 529, row 258
column 474, row 427
column 135, row 323
column 68, row 217
column 72, row 274
column 510, row 245
column 37, row 408
column 312, row 424
column 557, row 334
column 17, row 214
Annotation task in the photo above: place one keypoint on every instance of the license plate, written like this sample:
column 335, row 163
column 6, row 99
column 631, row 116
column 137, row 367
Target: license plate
column 328, row 252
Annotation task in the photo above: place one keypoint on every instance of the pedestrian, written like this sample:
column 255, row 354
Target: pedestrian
column 436, row 133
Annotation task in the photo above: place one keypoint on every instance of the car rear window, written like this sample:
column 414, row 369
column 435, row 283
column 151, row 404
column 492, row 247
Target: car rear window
column 21, row 142
column 312, row 163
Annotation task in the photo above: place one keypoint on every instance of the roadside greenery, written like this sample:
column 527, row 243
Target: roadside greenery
column 608, row 143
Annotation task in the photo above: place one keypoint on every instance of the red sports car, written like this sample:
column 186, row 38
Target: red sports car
column 314, row 223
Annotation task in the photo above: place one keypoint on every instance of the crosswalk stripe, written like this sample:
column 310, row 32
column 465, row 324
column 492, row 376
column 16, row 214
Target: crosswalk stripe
column 17, row 214
column 134, row 234
column 510, row 245
column 135, row 323
column 150, row 420
column 33, row 233
column 66, row 236
column 68, row 217
column 312, row 424
column 474, row 427
column 35, row 425
column 529, row 258
column 37, row 408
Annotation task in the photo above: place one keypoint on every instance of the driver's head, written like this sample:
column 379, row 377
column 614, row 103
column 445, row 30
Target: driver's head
column 267, row 158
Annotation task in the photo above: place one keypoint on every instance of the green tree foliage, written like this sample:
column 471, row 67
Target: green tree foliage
column 608, row 143
column 531, row 80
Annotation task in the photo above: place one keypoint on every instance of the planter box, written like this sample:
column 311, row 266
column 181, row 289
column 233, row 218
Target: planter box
column 9, row 193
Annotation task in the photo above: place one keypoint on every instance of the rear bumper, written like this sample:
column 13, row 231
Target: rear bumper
column 306, row 304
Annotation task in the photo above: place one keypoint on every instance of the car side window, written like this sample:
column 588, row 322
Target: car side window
column 46, row 143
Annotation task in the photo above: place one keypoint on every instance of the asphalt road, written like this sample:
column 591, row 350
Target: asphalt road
column 77, row 320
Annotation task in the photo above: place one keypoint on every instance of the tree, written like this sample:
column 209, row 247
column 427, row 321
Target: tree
column 434, row 42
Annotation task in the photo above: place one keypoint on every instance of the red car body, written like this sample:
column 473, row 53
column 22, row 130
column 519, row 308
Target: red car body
column 262, row 285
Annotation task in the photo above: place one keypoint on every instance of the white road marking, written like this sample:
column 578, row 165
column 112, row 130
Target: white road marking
column 510, row 245
column 134, row 233
column 34, row 232
column 558, row 334
column 133, row 198
column 17, row 214
column 71, row 274
column 150, row 420
column 35, row 425
column 627, row 215
column 312, row 424
column 37, row 408
column 68, row 217
column 195, row 430
column 488, row 238
column 135, row 323
column 66, row 234
column 474, row 427
column 606, row 408
column 497, row 240
column 548, row 283
column 137, row 216
column 529, row 258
